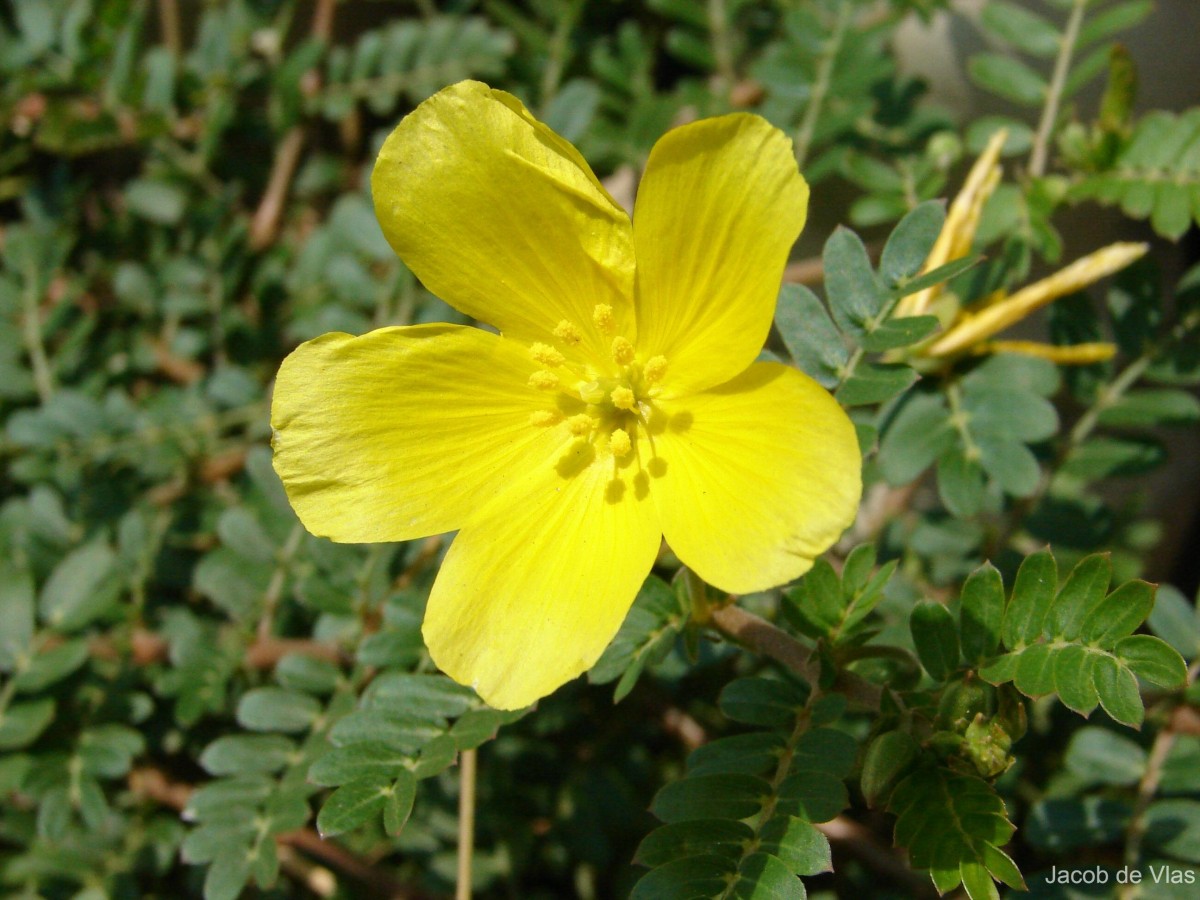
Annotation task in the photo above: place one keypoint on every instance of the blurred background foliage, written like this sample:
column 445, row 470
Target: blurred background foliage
column 186, row 675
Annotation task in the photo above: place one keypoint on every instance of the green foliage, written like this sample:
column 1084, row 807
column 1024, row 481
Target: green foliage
column 954, row 825
column 199, row 698
column 740, row 823
column 1077, row 640
column 1154, row 174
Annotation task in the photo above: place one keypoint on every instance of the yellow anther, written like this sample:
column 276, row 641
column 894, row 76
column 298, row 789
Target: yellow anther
column 619, row 443
column 543, row 381
column 655, row 369
column 622, row 351
column 545, row 417
column 602, row 315
column 567, row 333
column 590, row 392
column 547, row 355
column 580, row 424
column 622, row 398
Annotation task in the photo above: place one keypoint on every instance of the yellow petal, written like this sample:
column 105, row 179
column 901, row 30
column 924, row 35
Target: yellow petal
column 976, row 327
column 503, row 219
column 403, row 432
column 533, row 590
column 1067, row 355
column 962, row 221
column 762, row 474
column 717, row 212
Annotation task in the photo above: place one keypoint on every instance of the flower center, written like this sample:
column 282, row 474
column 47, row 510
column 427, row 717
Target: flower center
column 604, row 415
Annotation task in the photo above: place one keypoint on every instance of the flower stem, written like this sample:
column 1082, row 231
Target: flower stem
column 466, row 824
column 1062, row 65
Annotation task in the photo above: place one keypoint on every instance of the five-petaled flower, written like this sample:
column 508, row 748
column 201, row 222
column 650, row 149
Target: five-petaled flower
column 619, row 404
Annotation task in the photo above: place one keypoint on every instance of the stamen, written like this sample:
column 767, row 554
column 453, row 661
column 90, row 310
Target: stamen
column 622, row 351
column 545, row 417
column 543, row 381
column 547, row 355
column 580, row 424
column 655, row 369
column 602, row 315
column 619, row 443
column 567, row 333
column 622, row 398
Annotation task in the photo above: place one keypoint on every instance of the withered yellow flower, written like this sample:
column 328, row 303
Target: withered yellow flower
column 620, row 403
column 971, row 329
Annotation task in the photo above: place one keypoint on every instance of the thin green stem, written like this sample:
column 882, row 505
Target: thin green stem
column 820, row 90
column 722, row 46
column 559, row 46
column 1135, row 831
column 960, row 418
column 1062, row 66
column 1105, row 398
column 274, row 589
column 781, row 772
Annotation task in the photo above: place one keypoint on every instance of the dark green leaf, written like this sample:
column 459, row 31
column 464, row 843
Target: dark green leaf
column 1118, row 614
column 1118, row 691
column 1035, row 671
column 685, row 879
column 1013, row 466
column 814, row 796
column 1152, row 659
column 21, row 723
column 1080, row 594
column 762, row 876
column 809, row 334
column 711, row 797
column 920, row 432
column 910, row 242
column 276, row 709
column 982, row 613
column 17, row 611
column 960, row 483
column 874, row 383
column 399, row 803
column 888, row 757
column 1173, row 827
column 1036, row 583
column 353, row 761
column 936, row 276
column 80, row 588
column 353, row 804
column 1152, row 407
column 679, row 840
column 759, row 701
column 1009, row 78
column 936, row 639
column 235, row 754
column 901, row 332
column 1074, row 680
column 1100, row 756
column 799, row 845
column 1023, row 29
column 756, row 753
column 855, row 295
column 1176, row 621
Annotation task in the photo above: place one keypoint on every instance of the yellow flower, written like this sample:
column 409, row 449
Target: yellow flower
column 618, row 405
column 970, row 330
